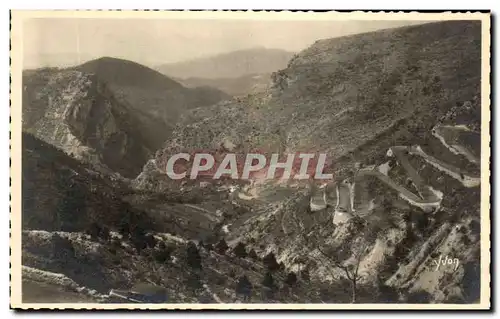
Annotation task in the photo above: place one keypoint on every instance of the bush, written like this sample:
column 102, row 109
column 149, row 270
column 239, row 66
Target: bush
column 193, row 281
column 268, row 281
column 116, row 243
column 150, row 241
column 62, row 248
column 139, row 243
column 162, row 245
column 244, row 287
column 252, row 254
column 419, row 297
column 124, row 228
column 281, row 266
column 240, row 250
column 270, row 262
column 105, row 233
column 221, row 247
column 163, row 253
column 201, row 244
column 193, row 257
column 304, row 275
column 471, row 282
column 386, row 294
column 291, row 279
column 475, row 227
column 94, row 231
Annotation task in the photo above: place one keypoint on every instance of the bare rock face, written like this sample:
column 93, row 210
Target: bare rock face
column 78, row 114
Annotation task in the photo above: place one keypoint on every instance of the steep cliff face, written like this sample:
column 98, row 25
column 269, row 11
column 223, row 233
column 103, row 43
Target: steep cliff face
column 77, row 113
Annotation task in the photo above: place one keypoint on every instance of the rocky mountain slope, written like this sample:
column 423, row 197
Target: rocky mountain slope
column 361, row 98
column 85, row 234
column 230, row 65
column 341, row 93
column 381, row 224
column 110, row 112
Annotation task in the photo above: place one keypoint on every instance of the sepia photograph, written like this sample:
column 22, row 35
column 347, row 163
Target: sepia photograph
column 250, row 160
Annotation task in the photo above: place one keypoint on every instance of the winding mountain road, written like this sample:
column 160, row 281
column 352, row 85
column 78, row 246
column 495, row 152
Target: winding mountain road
column 427, row 198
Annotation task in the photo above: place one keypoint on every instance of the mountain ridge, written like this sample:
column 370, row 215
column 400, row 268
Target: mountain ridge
column 229, row 65
column 112, row 112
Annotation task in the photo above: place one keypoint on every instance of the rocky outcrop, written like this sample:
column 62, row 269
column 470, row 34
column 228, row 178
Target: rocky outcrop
column 77, row 113
column 113, row 113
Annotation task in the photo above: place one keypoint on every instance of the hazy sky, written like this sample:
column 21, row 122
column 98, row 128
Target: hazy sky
column 62, row 41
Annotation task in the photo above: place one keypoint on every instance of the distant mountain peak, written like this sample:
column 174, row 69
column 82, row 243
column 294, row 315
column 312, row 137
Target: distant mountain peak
column 257, row 60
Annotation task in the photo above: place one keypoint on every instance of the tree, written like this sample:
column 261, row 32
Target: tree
column 62, row 248
column 221, row 247
column 291, row 279
column 193, row 257
column 139, row 242
column 163, row 253
column 105, row 235
column 268, row 280
column 351, row 271
column 115, row 245
column 162, row 245
column 419, row 297
column 124, row 228
column 270, row 262
column 387, row 204
column 139, row 238
column 338, row 257
column 193, row 281
column 244, row 287
column 201, row 244
column 252, row 254
column 386, row 294
column 268, row 285
column 281, row 266
column 240, row 250
column 150, row 240
column 72, row 206
column 471, row 282
column 94, row 230
column 304, row 275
